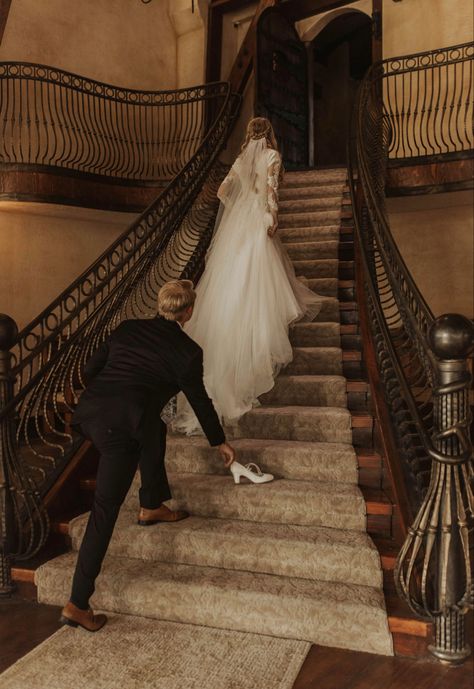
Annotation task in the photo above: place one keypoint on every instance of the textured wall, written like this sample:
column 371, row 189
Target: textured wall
column 44, row 247
column 435, row 235
column 123, row 42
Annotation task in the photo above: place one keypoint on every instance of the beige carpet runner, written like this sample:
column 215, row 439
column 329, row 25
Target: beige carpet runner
column 139, row 653
column 287, row 559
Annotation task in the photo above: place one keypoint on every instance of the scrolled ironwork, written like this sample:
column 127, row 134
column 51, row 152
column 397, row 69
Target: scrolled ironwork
column 421, row 360
column 168, row 240
column 53, row 119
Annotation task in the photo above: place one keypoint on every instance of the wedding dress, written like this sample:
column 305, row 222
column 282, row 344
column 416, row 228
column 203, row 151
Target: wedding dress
column 248, row 295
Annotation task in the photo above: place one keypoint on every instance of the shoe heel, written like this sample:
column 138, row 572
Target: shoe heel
column 66, row 621
column 236, row 478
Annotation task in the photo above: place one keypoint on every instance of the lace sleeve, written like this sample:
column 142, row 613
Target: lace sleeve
column 273, row 178
column 224, row 190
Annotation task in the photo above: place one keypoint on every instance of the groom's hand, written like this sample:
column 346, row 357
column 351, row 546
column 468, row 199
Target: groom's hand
column 227, row 453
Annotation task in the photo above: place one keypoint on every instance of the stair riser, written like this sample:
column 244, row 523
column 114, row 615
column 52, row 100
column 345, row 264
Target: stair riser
column 303, row 462
column 297, row 391
column 310, row 335
column 314, row 177
column 309, row 234
column 326, row 287
column 325, row 217
column 202, row 603
column 310, row 192
column 314, row 362
column 301, row 426
column 312, row 251
column 307, row 560
column 308, row 205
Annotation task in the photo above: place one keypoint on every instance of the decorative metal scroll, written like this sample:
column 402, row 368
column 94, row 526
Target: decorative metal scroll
column 422, row 360
column 50, row 118
column 428, row 101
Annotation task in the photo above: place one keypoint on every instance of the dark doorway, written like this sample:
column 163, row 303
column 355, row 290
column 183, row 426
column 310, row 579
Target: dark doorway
column 342, row 53
column 282, row 85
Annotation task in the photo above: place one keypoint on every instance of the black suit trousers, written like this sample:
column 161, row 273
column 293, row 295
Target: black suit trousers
column 121, row 452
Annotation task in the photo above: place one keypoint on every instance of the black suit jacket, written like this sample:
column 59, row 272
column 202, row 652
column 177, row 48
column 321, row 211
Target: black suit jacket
column 136, row 372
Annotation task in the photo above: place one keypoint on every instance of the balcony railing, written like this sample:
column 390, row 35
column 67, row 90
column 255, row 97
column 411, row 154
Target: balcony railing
column 52, row 119
column 408, row 106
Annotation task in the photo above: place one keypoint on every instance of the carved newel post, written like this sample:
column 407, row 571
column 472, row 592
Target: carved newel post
column 451, row 338
column 8, row 333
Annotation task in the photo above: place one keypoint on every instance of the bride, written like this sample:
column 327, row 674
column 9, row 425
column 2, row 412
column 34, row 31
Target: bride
column 248, row 295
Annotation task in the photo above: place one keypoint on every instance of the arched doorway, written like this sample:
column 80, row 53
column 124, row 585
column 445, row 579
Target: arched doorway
column 306, row 87
column 341, row 54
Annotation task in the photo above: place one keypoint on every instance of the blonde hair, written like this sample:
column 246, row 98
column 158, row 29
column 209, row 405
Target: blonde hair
column 259, row 128
column 174, row 298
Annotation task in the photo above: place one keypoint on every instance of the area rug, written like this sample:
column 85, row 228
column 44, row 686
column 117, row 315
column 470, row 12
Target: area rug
column 139, row 653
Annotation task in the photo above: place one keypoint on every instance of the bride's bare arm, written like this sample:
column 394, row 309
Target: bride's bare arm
column 273, row 180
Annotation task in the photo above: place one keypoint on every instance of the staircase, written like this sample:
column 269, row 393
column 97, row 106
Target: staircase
column 291, row 558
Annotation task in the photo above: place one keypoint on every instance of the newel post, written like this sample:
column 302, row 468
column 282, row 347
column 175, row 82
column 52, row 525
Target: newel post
column 8, row 333
column 451, row 338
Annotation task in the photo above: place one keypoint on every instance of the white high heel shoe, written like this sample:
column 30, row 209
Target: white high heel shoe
column 251, row 471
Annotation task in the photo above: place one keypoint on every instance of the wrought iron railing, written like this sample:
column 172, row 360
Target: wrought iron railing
column 428, row 103
column 41, row 368
column 50, row 118
column 422, row 361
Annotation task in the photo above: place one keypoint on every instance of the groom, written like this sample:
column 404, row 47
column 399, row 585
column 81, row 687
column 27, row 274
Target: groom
column 129, row 379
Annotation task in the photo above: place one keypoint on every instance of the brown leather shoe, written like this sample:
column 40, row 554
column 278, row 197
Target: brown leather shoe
column 162, row 513
column 75, row 617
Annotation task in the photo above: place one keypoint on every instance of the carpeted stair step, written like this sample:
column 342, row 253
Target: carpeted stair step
column 283, row 501
column 333, row 614
column 311, row 191
column 317, row 391
column 306, row 251
column 325, row 287
column 308, row 552
column 320, row 424
column 303, row 461
column 322, row 217
column 315, row 361
column 315, row 334
column 320, row 268
column 309, row 205
column 315, row 177
column 318, row 233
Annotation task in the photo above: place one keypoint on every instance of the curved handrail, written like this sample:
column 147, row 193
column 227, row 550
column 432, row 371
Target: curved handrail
column 54, row 119
column 421, row 360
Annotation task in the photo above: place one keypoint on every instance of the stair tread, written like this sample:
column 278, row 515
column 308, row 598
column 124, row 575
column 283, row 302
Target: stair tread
column 249, row 546
column 235, row 581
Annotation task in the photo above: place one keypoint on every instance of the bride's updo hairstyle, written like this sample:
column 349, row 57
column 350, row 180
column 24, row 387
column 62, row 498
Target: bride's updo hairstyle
column 259, row 128
column 174, row 298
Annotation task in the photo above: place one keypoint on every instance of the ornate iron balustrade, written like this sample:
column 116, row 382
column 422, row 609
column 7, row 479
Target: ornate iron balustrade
column 428, row 101
column 54, row 119
column 422, row 361
column 41, row 367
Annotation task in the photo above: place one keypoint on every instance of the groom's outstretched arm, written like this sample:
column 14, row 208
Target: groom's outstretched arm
column 191, row 383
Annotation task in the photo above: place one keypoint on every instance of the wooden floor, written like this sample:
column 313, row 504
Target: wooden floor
column 24, row 624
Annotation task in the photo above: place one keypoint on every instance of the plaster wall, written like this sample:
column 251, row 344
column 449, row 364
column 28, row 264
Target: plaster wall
column 435, row 235
column 43, row 248
column 124, row 42
column 234, row 28
column 190, row 33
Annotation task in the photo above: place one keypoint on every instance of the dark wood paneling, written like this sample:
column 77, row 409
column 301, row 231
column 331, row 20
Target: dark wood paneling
column 74, row 190
column 429, row 175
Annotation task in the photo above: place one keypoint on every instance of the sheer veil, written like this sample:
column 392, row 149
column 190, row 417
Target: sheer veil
column 248, row 295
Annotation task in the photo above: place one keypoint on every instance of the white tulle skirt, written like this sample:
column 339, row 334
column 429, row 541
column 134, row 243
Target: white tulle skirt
column 247, row 298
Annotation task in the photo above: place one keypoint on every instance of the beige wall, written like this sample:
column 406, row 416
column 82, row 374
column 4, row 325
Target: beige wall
column 435, row 235
column 190, row 33
column 415, row 25
column 44, row 247
column 234, row 28
column 122, row 42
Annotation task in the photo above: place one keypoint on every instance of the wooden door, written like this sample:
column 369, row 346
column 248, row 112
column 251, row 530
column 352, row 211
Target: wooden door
column 282, row 86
